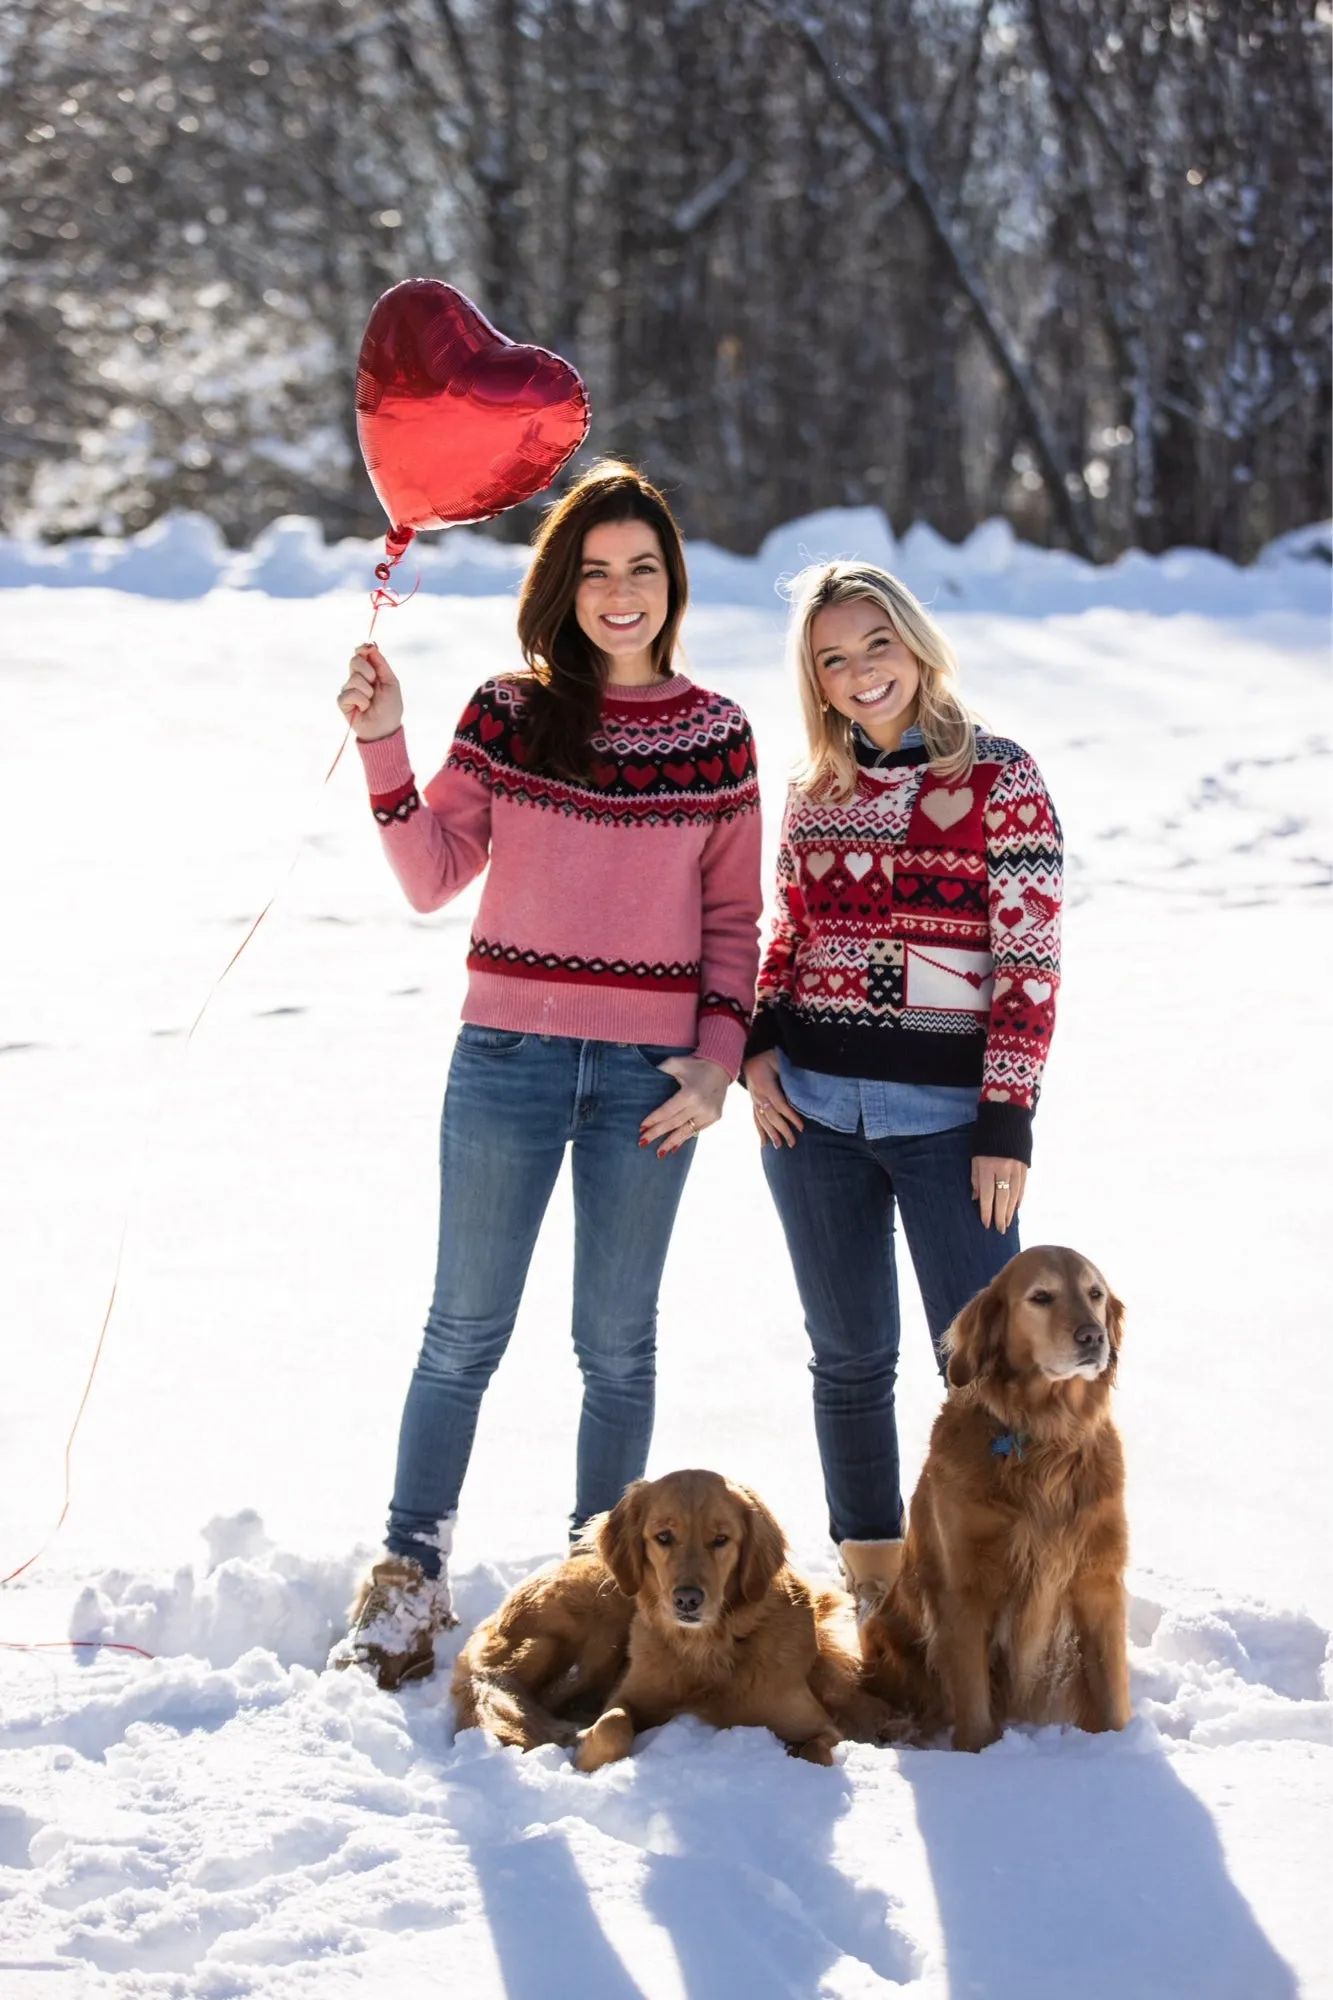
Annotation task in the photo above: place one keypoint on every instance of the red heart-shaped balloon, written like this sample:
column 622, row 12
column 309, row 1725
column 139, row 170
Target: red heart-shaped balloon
column 455, row 421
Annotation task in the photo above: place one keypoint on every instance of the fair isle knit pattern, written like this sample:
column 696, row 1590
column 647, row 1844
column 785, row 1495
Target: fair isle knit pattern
column 918, row 933
column 621, row 908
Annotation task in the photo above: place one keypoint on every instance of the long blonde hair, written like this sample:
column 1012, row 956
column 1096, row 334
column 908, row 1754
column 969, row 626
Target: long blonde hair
column 946, row 723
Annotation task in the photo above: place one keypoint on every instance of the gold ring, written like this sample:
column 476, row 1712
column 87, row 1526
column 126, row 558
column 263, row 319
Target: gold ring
column 694, row 1129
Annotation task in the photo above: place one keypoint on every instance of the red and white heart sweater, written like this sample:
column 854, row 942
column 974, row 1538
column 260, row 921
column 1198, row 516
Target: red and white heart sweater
column 917, row 935
column 621, row 909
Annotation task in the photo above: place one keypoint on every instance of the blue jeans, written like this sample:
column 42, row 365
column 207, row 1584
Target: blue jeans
column 836, row 1193
column 513, row 1103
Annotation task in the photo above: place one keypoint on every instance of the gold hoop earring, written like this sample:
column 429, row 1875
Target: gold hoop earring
column 823, row 708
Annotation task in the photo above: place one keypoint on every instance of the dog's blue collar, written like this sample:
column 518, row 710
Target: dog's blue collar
column 1012, row 1442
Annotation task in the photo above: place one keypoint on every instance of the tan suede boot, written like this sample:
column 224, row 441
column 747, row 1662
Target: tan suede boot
column 871, row 1570
column 397, row 1613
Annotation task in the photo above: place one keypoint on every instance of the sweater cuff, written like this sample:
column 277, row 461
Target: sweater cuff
column 763, row 1033
column 722, row 1040
column 1003, row 1132
column 385, row 762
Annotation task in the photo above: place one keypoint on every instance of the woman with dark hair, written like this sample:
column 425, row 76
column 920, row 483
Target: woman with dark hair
column 611, row 979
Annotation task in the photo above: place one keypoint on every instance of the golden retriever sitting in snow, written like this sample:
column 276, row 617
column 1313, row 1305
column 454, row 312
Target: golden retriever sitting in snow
column 680, row 1602
column 1010, row 1604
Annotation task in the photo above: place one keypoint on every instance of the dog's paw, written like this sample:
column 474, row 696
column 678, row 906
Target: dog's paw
column 609, row 1739
column 818, row 1750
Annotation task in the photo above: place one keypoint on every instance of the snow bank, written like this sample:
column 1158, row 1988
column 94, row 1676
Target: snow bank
column 1200, row 1658
column 184, row 556
column 228, row 1822
column 249, row 1594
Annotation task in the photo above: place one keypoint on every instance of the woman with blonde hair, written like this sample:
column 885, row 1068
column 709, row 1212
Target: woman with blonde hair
column 610, row 983
column 905, row 1010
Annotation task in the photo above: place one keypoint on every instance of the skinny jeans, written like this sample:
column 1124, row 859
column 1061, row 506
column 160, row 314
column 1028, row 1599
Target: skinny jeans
column 839, row 1195
column 513, row 1104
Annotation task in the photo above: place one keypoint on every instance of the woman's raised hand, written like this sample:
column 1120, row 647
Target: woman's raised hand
column 370, row 697
column 776, row 1121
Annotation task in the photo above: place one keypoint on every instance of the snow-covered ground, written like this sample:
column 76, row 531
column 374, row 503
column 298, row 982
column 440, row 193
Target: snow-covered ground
column 225, row 1819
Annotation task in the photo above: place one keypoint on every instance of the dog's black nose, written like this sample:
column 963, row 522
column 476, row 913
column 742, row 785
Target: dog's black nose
column 1090, row 1336
column 687, row 1601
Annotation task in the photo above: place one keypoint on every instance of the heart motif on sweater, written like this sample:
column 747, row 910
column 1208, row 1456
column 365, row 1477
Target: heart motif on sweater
column 836, row 982
column 680, row 774
column 1010, row 914
column 1037, row 989
column 947, row 808
column 1027, row 814
column 995, row 818
column 818, row 865
column 738, row 758
column 640, row 775
column 858, row 865
column 491, row 727
column 711, row 768
column 605, row 774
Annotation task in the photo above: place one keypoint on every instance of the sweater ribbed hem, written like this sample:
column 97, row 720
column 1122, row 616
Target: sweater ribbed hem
column 1003, row 1131
column 598, row 1014
column 889, row 1054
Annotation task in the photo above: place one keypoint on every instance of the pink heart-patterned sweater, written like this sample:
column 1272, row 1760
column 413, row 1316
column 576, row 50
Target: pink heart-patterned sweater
column 622, row 908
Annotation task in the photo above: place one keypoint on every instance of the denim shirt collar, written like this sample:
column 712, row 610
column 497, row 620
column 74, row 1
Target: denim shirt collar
column 912, row 750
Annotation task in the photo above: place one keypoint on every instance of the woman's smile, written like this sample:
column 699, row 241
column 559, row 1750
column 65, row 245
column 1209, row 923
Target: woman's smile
column 623, row 559
column 865, row 670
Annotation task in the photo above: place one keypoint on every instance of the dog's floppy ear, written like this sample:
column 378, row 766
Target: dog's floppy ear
column 974, row 1337
column 1115, row 1328
column 763, row 1550
column 620, row 1539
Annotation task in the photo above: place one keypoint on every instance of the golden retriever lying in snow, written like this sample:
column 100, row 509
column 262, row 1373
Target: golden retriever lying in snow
column 684, row 1604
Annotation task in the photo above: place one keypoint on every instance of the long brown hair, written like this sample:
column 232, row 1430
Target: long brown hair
column 567, row 673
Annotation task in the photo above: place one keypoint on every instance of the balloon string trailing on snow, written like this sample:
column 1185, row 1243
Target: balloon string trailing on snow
column 54, row 1645
column 380, row 599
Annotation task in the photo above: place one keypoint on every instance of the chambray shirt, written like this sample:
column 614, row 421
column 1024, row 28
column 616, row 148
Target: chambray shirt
column 881, row 1110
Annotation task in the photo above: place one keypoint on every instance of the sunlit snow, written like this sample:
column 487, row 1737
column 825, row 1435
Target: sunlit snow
column 225, row 1819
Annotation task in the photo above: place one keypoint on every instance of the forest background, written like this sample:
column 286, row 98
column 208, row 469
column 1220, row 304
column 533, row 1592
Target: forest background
column 1061, row 260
